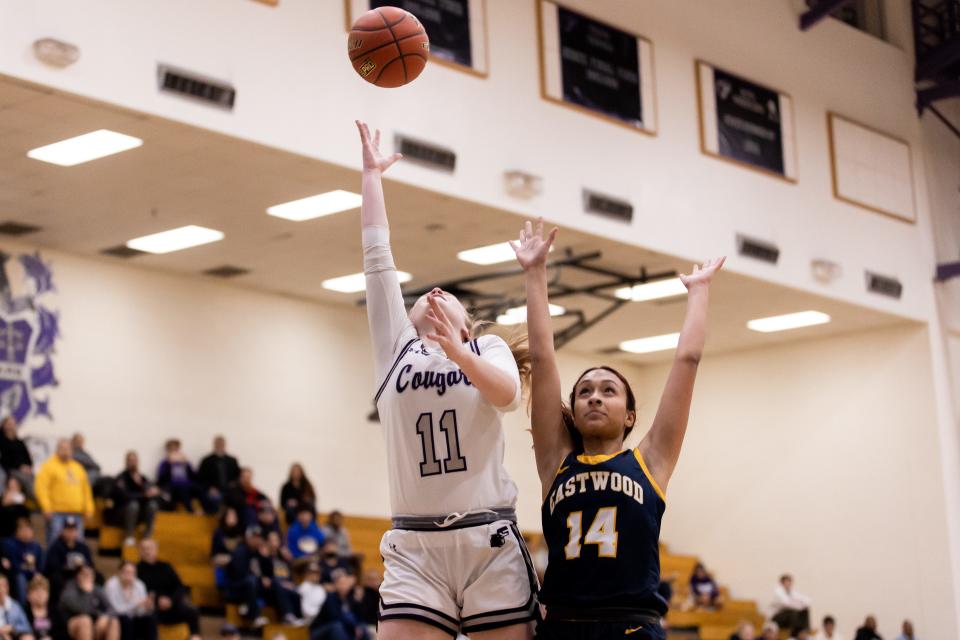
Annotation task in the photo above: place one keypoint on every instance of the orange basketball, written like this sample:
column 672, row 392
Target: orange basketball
column 388, row 47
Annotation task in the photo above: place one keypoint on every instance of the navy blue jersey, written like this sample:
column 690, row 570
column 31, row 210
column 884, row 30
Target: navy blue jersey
column 601, row 523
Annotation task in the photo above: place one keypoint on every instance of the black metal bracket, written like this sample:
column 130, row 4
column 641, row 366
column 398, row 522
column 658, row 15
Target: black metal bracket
column 818, row 10
column 487, row 306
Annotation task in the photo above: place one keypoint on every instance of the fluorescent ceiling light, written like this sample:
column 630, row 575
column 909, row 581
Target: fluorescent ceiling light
column 653, row 343
column 490, row 254
column 788, row 321
column 652, row 290
column 356, row 282
column 316, row 206
column 518, row 315
column 85, row 148
column 175, row 239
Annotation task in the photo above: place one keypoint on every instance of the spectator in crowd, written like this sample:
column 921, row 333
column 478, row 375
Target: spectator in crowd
column 337, row 620
column 790, row 610
column 242, row 582
column 828, row 630
column 87, row 610
column 229, row 632
column 39, row 615
column 13, row 507
column 906, row 631
column 63, row 490
column 129, row 599
column 226, row 537
column 304, row 537
column 267, row 518
column 770, row 631
column 366, row 599
column 297, row 491
column 869, row 630
column 703, row 589
column 86, row 461
column 135, row 500
column 745, row 631
column 176, row 478
column 13, row 621
column 168, row 592
column 26, row 559
column 245, row 498
column 335, row 531
column 331, row 562
column 14, row 457
column 67, row 554
column 312, row 593
column 218, row 472
column 275, row 585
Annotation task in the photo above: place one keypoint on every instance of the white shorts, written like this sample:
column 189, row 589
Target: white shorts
column 469, row 579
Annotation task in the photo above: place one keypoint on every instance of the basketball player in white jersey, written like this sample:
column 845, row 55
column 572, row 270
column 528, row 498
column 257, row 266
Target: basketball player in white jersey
column 455, row 561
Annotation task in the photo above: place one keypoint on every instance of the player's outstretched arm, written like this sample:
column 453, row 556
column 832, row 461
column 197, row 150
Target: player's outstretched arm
column 661, row 446
column 551, row 442
column 373, row 211
column 385, row 309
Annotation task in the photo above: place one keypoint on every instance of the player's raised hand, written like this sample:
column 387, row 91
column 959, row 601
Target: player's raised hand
column 373, row 160
column 702, row 274
column 532, row 248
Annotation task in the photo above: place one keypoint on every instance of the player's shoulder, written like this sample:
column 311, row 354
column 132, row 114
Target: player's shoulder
column 488, row 341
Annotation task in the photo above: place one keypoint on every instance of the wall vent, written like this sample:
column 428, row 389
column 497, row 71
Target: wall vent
column 195, row 86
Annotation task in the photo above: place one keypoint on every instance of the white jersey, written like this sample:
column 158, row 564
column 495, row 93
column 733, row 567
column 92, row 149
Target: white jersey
column 444, row 441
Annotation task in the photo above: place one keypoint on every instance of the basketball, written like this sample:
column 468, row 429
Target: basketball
column 388, row 47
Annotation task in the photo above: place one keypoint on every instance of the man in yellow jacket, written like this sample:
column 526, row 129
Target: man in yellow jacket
column 63, row 490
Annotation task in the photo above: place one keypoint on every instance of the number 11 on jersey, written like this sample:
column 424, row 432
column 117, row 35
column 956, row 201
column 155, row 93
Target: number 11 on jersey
column 430, row 465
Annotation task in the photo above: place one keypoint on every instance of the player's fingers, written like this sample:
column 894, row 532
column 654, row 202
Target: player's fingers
column 552, row 236
column 360, row 125
column 513, row 246
column 436, row 309
column 528, row 228
column 540, row 227
column 376, row 139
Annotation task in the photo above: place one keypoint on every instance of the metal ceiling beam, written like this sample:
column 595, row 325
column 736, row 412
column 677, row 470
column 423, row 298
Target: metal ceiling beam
column 818, row 11
column 938, row 59
column 925, row 97
column 943, row 119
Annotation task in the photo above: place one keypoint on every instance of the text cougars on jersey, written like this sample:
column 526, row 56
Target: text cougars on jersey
column 429, row 380
column 597, row 481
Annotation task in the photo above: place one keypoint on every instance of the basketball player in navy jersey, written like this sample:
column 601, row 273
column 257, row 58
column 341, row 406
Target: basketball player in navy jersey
column 454, row 559
column 602, row 504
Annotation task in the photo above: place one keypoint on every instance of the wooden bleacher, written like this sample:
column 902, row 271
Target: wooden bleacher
column 184, row 541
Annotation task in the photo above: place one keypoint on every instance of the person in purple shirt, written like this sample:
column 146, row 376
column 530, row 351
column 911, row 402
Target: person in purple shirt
column 176, row 478
column 703, row 590
column 304, row 537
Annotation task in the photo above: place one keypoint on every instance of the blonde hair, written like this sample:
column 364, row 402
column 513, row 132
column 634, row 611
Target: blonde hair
column 517, row 342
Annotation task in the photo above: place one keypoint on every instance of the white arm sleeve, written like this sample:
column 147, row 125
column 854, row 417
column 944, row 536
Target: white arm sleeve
column 390, row 328
column 495, row 351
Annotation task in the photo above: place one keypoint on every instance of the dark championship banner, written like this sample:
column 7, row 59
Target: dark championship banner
column 748, row 122
column 447, row 23
column 599, row 66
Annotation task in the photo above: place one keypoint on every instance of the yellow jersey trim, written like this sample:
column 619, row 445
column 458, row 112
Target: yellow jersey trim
column 646, row 472
column 597, row 459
